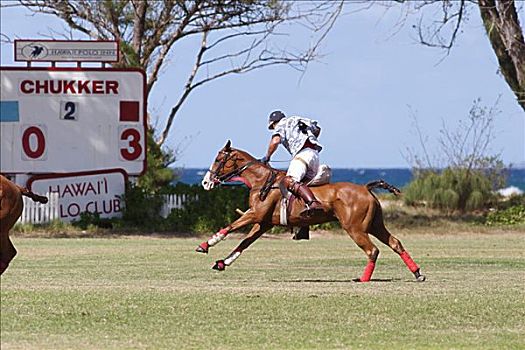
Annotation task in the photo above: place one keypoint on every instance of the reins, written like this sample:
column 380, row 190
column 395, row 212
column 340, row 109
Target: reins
column 234, row 172
column 266, row 187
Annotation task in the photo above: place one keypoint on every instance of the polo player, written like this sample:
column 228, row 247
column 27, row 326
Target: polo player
column 299, row 136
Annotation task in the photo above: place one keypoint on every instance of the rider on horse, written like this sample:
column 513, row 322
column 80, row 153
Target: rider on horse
column 299, row 136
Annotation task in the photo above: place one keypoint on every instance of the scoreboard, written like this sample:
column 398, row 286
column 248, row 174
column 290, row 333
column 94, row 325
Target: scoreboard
column 65, row 120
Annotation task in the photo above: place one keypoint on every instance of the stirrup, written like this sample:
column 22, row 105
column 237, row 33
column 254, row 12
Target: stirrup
column 310, row 211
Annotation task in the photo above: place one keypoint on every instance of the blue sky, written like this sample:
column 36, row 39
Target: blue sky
column 360, row 93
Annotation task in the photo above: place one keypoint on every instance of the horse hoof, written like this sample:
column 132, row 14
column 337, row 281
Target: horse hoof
column 421, row 278
column 202, row 248
column 219, row 265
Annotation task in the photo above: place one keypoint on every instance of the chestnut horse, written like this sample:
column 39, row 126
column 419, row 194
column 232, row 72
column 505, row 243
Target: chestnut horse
column 11, row 206
column 354, row 206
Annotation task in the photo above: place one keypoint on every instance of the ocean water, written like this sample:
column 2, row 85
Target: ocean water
column 396, row 177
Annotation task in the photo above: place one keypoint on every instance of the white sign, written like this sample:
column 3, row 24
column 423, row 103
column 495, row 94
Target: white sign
column 62, row 120
column 66, row 51
column 90, row 192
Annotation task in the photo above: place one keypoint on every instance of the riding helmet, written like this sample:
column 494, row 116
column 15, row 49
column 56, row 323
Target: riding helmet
column 275, row 117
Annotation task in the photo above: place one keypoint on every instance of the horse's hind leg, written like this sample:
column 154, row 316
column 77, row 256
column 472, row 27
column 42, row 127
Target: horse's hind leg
column 256, row 232
column 372, row 252
column 381, row 233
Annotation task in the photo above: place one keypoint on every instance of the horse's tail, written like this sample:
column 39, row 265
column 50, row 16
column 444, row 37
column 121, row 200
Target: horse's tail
column 35, row 197
column 384, row 185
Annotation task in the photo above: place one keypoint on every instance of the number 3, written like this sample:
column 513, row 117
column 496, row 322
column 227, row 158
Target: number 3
column 132, row 137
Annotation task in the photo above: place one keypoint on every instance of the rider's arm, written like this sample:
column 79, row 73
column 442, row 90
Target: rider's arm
column 274, row 143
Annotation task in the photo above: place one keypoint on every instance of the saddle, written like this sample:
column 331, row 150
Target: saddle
column 323, row 176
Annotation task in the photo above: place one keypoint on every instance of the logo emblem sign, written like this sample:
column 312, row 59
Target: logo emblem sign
column 34, row 51
column 66, row 50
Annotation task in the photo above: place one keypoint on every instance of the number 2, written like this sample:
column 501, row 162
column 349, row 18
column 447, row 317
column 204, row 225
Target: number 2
column 68, row 110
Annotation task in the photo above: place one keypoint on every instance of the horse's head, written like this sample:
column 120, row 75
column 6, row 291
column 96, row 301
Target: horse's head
column 228, row 164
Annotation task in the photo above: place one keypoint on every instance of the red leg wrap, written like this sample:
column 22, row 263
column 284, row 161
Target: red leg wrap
column 369, row 270
column 219, row 236
column 412, row 266
column 204, row 246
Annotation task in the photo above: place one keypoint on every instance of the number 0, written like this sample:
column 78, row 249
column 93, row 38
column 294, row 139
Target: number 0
column 33, row 152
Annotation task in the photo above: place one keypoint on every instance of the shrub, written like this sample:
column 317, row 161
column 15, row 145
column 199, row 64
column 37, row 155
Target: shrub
column 449, row 199
column 158, row 173
column 475, row 200
column 511, row 201
column 207, row 211
column 510, row 216
column 89, row 220
column 470, row 172
column 141, row 208
column 24, row 228
column 452, row 189
column 57, row 225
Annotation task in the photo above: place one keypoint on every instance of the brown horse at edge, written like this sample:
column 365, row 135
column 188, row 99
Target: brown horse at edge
column 354, row 206
column 11, row 206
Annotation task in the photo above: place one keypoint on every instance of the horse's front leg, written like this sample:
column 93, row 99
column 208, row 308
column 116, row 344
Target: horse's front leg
column 246, row 219
column 256, row 232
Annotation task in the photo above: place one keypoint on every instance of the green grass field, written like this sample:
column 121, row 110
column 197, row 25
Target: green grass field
column 156, row 293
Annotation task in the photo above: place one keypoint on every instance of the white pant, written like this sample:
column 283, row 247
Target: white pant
column 305, row 164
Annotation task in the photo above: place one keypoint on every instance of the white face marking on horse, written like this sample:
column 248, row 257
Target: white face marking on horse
column 207, row 182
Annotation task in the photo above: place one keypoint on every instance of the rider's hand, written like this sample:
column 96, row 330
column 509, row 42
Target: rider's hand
column 264, row 160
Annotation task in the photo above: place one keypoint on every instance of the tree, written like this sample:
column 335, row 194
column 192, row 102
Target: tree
column 506, row 37
column 501, row 22
column 149, row 31
column 158, row 174
column 464, row 173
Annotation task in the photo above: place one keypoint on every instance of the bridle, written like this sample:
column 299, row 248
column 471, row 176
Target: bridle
column 233, row 173
column 236, row 172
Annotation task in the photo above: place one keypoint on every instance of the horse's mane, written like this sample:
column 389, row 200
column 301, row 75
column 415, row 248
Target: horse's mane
column 249, row 157
column 244, row 153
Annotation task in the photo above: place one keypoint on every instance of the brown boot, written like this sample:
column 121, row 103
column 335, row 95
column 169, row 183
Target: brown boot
column 305, row 193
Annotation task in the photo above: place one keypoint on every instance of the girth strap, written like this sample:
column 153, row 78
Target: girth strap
column 265, row 189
